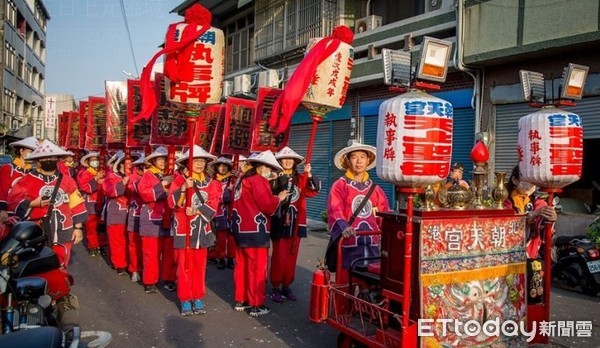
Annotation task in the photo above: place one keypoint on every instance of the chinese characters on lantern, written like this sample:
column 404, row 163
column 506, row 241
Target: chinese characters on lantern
column 202, row 72
column 262, row 138
column 550, row 148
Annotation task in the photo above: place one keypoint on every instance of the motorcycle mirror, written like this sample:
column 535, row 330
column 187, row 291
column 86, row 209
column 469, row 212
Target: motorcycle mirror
column 44, row 301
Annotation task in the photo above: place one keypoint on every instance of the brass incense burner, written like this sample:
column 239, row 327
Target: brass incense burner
column 455, row 197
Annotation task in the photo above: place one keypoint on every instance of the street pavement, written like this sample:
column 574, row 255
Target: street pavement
column 113, row 303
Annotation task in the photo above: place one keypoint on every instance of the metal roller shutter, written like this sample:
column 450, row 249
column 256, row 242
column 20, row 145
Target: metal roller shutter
column 320, row 162
column 463, row 136
column 370, row 137
column 507, row 120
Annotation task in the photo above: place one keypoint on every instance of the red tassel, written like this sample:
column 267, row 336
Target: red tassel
column 195, row 15
column 297, row 85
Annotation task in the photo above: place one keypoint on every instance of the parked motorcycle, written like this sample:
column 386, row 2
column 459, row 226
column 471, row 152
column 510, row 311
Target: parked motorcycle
column 35, row 288
column 577, row 263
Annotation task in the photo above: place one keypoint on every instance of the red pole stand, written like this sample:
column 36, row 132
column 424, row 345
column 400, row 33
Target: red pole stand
column 316, row 117
column 189, row 194
column 102, row 159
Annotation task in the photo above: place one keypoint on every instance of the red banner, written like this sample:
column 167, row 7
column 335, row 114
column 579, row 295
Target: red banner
column 207, row 125
column 138, row 134
column 95, row 135
column 63, row 121
column 238, row 126
column 262, row 138
column 116, row 113
column 169, row 123
column 77, row 125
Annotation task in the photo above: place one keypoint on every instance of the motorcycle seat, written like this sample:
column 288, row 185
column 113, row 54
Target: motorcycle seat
column 566, row 240
column 36, row 263
column 47, row 336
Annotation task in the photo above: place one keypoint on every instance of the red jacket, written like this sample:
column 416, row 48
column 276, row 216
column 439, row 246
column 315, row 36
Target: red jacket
column 154, row 196
column 69, row 207
column 252, row 208
column 118, row 204
column 92, row 191
column 197, row 226
column 9, row 174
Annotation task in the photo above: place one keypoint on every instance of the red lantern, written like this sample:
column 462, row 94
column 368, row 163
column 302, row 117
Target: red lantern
column 550, row 148
column 414, row 139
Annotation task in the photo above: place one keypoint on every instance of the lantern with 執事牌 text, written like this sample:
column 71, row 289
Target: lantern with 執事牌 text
column 550, row 148
column 414, row 139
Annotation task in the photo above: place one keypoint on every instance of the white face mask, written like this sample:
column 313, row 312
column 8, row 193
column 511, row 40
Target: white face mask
column 94, row 164
column 266, row 173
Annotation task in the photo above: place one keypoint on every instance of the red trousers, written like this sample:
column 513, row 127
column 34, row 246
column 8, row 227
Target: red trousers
column 158, row 251
column 135, row 251
column 191, row 273
column 91, row 231
column 117, row 243
column 250, row 275
column 283, row 261
column 63, row 251
column 225, row 245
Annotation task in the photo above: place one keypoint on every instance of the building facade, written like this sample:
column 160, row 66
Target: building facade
column 482, row 81
column 23, row 63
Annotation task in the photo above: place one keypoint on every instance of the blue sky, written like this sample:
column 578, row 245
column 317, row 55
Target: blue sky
column 87, row 41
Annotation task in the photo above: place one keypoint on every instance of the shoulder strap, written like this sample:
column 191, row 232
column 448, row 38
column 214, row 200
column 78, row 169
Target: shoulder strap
column 198, row 193
column 54, row 192
column 362, row 204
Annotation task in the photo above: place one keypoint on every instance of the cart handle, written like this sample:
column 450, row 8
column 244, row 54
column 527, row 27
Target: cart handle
column 338, row 267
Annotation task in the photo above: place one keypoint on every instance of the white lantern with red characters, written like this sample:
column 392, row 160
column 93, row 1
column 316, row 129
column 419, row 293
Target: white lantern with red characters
column 414, row 139
column 550, row 148
column 201, row 66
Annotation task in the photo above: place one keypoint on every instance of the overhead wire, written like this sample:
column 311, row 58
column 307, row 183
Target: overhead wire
column 129, row 37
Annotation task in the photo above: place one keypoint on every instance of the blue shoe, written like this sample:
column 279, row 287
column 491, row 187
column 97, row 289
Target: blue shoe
column 186, row 308
column 198, row 306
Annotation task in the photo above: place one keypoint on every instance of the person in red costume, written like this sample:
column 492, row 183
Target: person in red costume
column 157, row 242
column 225, row 247
column 191, row 229
column 11, row 172
column 345, row 197
column 67, row 165
column 114, row 188
column 134, row 241
column 289, row 225
column 35, row 197
column 252, row 208
column 89, row 180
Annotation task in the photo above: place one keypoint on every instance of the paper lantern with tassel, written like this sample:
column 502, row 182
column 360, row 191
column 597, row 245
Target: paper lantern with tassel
column 550, row 148
column 414, row 139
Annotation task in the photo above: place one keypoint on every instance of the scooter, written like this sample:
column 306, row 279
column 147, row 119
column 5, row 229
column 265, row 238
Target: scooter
column 34, row 286
column 577, row 263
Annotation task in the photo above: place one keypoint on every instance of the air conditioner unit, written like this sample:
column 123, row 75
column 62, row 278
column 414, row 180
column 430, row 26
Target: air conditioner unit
column 242, row 84
column 367, row 23
column 433, row 5
column 227, row 88
column 268, row 78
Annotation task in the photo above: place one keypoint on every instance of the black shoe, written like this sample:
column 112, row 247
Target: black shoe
column 221, row 264
column 241, row 306
column 122, row 271
column 93, row 252
column 170, row 286
column 150, row 289
column 230, row 263
column 212, row 260
column 101, row 251
column 258, row 311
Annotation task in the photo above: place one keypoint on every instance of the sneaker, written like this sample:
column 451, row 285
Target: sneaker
column 221, row 264
column 170, row 286
column 198, row 307
column 122, row 271
column 93, row 252
column 288, row 294
column 186, row 308
column 135, row 277
column 230, row 263
column 150, row 289
column 241, row 306
column 258, row 311
column 276, row 296
column 101, row 251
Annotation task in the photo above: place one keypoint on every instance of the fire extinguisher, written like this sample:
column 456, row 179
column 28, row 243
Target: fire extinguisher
column 319, row 294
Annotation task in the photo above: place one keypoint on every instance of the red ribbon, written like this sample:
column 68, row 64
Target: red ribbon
column 195, row 16
column 297, row 85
